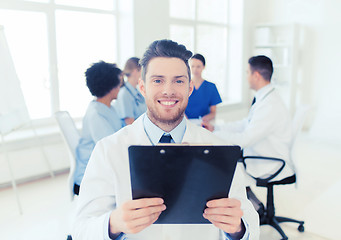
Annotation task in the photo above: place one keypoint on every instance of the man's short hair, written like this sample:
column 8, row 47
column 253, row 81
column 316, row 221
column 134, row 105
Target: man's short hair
column 165, row 48
column 262, row 65
column 199, row 57
column 102, row 77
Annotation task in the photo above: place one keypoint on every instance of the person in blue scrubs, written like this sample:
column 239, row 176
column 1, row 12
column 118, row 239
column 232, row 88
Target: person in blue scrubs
column 205, row 96
column 104, row 81
column 130, row 103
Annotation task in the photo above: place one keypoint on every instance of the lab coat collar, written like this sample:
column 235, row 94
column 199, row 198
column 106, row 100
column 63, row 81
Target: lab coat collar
column 263, row 92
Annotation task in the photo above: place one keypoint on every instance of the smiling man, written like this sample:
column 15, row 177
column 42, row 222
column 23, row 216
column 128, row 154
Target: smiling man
column 166, row 88
column 105, row 206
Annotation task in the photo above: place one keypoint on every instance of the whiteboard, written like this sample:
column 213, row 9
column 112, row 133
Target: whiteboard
column 13, row 110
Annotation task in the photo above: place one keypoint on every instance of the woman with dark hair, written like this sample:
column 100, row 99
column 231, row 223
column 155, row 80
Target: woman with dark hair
column 130, row 103
column 202, row 102
column 101, row 119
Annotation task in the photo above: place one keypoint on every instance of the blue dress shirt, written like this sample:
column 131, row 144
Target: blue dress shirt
column 154, row 133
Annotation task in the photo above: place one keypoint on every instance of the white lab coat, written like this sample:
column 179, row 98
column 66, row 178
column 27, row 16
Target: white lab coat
column 107, row 182
column 267, row 131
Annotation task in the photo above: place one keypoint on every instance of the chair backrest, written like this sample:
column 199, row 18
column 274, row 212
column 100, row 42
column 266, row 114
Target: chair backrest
column 297, row 125
column 298, row 121
column 68, row 130
column 71, row 137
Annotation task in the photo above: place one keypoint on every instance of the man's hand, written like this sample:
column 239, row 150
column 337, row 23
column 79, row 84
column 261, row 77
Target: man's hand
column 206, row 118
column 226, row 214
column 135, row 215
column 207, row 125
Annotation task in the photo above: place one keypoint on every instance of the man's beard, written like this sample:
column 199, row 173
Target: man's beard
column 177, row 117
column 156, row 118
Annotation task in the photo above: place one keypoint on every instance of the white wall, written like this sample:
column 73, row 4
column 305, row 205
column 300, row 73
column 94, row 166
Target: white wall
column 319, row 55
column 151, row 20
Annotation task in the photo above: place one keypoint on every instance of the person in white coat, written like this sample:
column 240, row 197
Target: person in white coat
column 105, row 209
column 267, row 130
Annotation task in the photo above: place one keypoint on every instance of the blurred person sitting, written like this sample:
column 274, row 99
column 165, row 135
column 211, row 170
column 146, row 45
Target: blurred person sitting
column 130, row 103
column 266, row 131
column 101, row 119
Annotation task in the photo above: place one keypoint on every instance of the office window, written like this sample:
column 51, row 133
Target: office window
column 27, row 40
column 183, row 35
column 212, row 42
column 212, row 11
column 186, row 11
column 76, row 50
column 98, row 4
column 204, row 27
column 53, row 42
column 41, row 1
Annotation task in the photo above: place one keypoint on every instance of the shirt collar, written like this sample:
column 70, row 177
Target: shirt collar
column 261, row 93
column 134, row 92
column 154, row 132
column 131, row 88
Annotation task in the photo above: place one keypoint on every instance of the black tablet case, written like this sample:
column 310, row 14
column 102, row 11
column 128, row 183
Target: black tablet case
column 185, row 176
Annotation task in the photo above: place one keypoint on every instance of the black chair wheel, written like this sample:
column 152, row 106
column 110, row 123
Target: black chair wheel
column 301, row 228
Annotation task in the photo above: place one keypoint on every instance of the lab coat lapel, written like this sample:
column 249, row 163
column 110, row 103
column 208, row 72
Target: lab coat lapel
column 190, row 134
column 140, row 138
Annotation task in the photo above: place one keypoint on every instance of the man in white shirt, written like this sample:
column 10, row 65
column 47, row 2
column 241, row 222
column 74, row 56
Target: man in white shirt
column 105, row 206
column 266, row 131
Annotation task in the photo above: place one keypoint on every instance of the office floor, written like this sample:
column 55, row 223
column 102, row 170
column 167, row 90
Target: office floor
column 46, row 204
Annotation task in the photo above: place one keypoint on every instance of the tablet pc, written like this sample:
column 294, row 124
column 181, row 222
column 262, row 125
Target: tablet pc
column 185, row 176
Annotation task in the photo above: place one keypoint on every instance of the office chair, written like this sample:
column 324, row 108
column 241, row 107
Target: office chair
column 71, row 137
column 267, row 214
